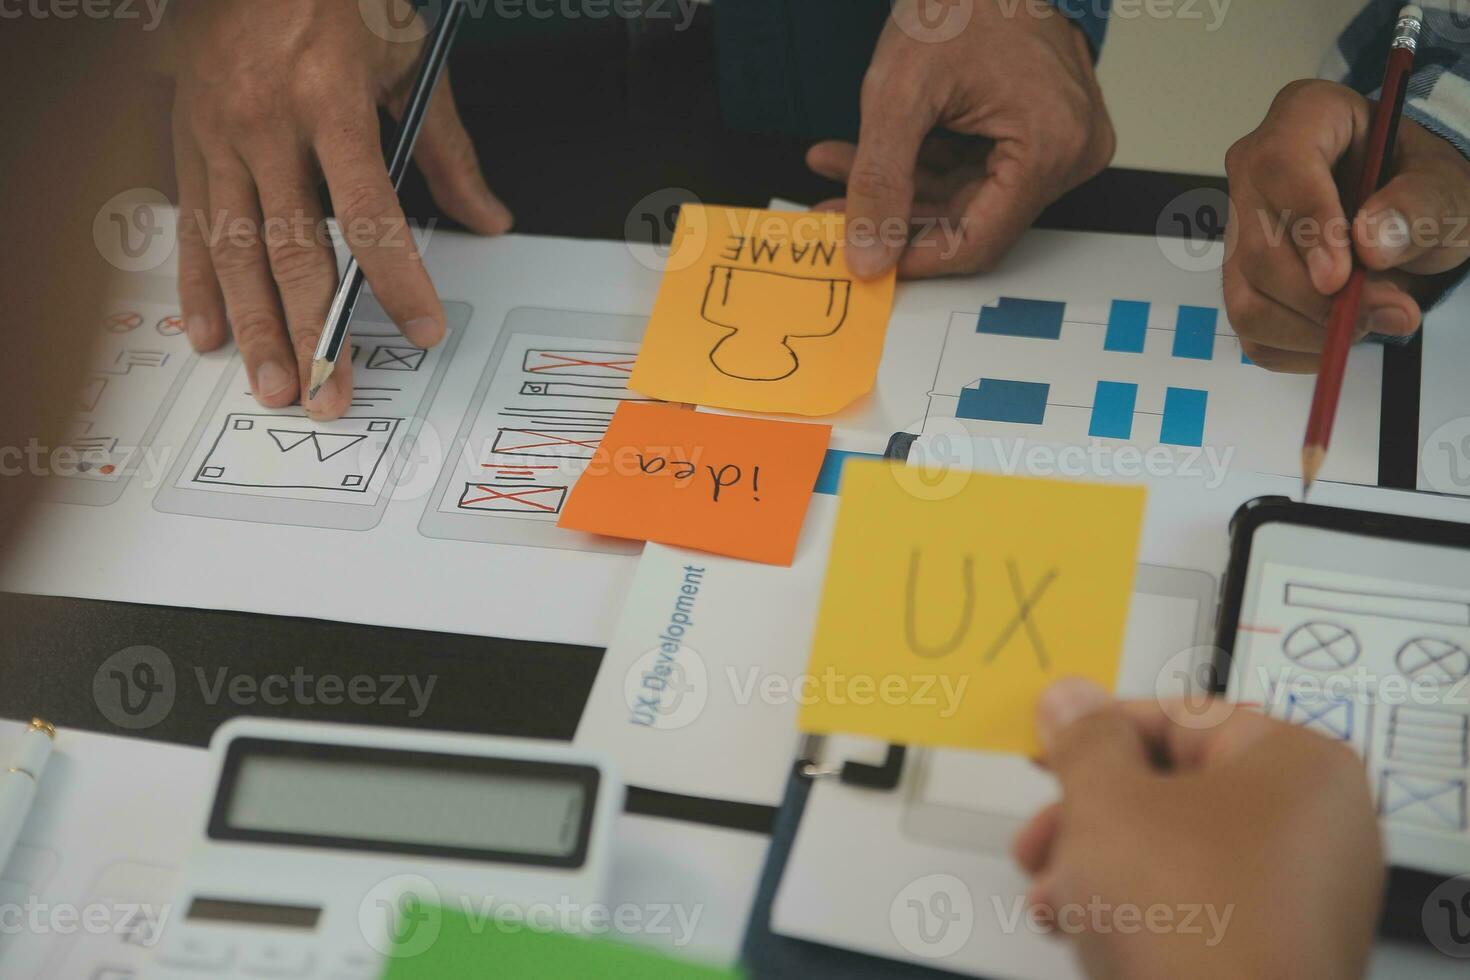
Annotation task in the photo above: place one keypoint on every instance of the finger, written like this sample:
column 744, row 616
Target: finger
column 834, row 159
column 1291, row 162
column 1281, row 361
column 447, row 157
column 200, row 300
column 1389, row 305
column 1003, row 205
column 1416, row 223
column 305, row 270
column 880, row 182
column 1263, row 321
column 1215, row 735
column 373, row 224
column 1089, row 743
column 244, row 273
column 1033, row 844
column 1279, row 273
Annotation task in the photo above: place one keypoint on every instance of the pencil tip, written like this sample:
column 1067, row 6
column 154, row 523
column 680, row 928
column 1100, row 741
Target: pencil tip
column 1312, row 459
column 321, row 370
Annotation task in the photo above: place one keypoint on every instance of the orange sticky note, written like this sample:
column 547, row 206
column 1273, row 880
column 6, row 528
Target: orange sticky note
column 734, row 486
column 757, row 311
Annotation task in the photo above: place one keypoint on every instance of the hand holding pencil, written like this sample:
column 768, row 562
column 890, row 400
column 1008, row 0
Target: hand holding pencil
column 1344, row 317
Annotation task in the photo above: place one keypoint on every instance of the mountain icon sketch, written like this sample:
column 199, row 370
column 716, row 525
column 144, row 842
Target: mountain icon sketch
column 326, row 444
column 758, row 348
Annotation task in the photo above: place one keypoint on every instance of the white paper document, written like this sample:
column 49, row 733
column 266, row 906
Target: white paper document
column 433, row 503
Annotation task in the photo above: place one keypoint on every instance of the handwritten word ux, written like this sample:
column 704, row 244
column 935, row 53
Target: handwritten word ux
column 721, row 479
column 1022, row 620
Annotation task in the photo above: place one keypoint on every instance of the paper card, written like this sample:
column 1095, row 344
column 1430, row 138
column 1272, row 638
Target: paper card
column 949, row 607
column 691, row 675
column 757, row 311
column 720, row 483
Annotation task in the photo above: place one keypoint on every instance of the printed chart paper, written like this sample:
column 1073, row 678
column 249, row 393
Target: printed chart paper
column 987, row 592
column 758, row 311
column 1138, row 373
column 718, row 483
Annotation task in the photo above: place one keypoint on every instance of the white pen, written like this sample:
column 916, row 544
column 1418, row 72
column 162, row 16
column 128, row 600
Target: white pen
column 19, row 782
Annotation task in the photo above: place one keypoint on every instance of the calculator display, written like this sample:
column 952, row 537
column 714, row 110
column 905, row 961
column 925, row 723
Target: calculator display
column 408, row 802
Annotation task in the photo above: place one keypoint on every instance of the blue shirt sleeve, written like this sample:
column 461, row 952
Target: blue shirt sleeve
column 1089, row 15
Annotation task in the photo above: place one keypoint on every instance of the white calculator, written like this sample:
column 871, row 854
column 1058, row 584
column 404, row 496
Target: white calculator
column 329, row 848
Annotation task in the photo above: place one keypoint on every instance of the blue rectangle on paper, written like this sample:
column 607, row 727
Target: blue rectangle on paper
column 1184, row 417
column 1194, row 332
column 1127, row 326
column 1037, row 318
column 1112, row 410
column 993, row 400
column 830, row 476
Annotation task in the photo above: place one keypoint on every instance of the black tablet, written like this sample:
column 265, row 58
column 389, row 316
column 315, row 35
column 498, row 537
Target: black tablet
column 1356, row 626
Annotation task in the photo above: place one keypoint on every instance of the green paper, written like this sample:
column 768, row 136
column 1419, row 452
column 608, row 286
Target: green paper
column 485, row 949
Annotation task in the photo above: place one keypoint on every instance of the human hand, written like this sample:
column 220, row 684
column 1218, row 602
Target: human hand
column 272, row 95
column 1266, row 831
column 1020, row 77
column 1289, row 246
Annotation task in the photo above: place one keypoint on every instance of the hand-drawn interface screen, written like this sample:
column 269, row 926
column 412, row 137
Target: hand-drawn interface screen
column 539, row 413
column 1380, row 662
column 140, row 360
column 278, row 466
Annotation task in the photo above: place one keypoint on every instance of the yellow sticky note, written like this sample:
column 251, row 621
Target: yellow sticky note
column 950, row 606
column 757, row 311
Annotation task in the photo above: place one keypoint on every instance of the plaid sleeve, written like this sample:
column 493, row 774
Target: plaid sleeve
column 1439, row 90
column 1089, row 15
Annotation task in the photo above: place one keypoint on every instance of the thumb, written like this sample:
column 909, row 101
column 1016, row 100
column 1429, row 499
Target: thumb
column 447, row 158
column 880, row 185
column 1088, row 738
column 1416, row 222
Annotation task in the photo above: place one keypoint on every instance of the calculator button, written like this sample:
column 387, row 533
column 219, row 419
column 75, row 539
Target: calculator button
column 276, row 961
column 195, row 953
column 355, row 966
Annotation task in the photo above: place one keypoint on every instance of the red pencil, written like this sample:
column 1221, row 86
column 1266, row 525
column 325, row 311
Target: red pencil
column 1344, row 316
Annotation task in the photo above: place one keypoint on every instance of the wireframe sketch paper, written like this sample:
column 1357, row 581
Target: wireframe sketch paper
column 758, row 311
column 140, row 362
column 245, row 462
column 543, row 404
column 1379, row 664
column 990, row 591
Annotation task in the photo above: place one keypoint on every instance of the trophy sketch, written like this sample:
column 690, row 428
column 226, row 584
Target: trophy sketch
column 758, row 348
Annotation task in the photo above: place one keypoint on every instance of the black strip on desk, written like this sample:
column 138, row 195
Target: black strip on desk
column 176, row 674
column 696, row 809
column 1398, row 426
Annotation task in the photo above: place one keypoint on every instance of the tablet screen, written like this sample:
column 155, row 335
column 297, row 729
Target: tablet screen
column 1379, row 660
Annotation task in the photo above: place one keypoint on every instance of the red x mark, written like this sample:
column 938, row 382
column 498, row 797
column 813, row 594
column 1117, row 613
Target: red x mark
column 625, row 364
column 519, row 496
column 122, row 322
column 555, row 441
